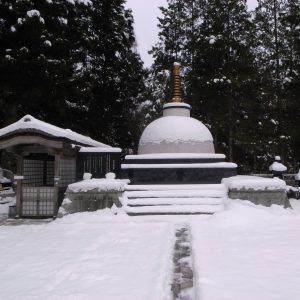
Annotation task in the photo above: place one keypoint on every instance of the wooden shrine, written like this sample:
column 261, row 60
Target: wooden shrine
column 47, row 158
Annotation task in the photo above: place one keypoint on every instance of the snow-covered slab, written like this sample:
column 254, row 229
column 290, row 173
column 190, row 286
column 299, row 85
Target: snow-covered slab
column 100, row 150
column 81, row 257
column 175, row 209
column 219, row 165
column 254, row 182
column 163, row 187
column 177, row 155
column 247, row 252
column 29, row 123
column 176, row 193
column 171, row 201
column 98, row 185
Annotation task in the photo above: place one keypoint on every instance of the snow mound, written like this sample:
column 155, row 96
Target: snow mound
column 33, row 13
column 277, row 167
column 295, row 203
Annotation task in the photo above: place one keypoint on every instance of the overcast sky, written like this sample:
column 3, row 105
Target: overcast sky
column 145, row 13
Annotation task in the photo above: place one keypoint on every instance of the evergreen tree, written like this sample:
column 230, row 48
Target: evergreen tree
column 290, row 19
column 72, row 63
column 215, row 48
column 117, row 74
column 270, row 45
column 176, row 36
column 221, row 82
column 36, row 64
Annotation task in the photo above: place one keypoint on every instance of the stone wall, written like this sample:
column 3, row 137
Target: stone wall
column 262, row 197
column 89, row 201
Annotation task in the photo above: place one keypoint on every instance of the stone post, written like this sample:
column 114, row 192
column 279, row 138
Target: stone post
column 18, row 179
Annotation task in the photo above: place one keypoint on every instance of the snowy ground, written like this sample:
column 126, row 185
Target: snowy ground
column 246, row 252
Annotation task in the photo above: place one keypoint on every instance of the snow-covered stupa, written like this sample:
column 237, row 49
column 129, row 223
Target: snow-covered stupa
column 176, row 131
column 176, row 149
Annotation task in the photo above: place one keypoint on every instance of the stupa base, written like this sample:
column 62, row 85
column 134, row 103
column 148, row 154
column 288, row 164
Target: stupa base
column 177, row 169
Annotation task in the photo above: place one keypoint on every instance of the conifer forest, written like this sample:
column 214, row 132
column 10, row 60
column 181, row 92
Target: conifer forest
column 75, row 64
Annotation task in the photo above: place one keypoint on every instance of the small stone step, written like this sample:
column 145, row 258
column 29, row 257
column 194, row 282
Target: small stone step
column 172, row 201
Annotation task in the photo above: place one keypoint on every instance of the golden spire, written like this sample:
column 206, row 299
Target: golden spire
column 176, row 92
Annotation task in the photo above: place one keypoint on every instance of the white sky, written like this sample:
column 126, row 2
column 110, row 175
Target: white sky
column 145, row 13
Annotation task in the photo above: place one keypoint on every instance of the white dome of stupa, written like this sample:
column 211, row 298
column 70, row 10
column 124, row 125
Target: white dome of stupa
column 176, row 131
column 176, row 134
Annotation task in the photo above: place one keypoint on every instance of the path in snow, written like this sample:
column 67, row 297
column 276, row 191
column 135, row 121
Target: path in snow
column 182, row 286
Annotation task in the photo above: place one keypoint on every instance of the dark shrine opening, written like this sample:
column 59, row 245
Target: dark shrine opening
column 38, row 169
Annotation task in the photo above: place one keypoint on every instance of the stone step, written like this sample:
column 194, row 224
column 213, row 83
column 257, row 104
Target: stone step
column 176, row 194
column 173, row 209
column 168, row 199
column 172, row 201
column 173, row 187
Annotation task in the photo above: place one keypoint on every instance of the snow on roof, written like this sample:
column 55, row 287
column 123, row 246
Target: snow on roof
column 29, row 123
column 254, row 182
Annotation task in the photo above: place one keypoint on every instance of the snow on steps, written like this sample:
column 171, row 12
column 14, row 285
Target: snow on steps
column 174, row 209
column 174, row 199
column 173, row 187
column 171, row 201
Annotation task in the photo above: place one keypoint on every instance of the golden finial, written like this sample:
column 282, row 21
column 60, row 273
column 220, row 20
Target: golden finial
column 176, row 92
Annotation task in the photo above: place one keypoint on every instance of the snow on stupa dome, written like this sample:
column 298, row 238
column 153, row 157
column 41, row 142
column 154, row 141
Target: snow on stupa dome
column 176, row 134
column 176, row 131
